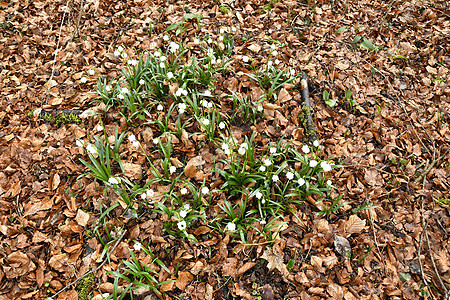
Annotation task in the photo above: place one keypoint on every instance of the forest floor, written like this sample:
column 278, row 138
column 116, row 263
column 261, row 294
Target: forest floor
column 376, row 226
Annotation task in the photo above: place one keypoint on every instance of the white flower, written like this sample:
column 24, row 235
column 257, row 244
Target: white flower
column 258, row 195
column 150, row 193
column 156, row 141
column 305, row 149
column 120, row 96
column 245, row 58
column 260, row 108
column 205, row 121
column 108, row 88
column 186, row 206
column 267, row 162
column 79, row 143
column 91, row 72
column 116, row 53
column 222, row 125
column 132, row 138
column 221, row 38
column 225, row 146
column 233, row 28
column 292, row 72
column 205, row 190
column 120, row 48
column 172, row 169
column 274, row 52
column 137, row 246
column 99, row 128
column 196, row 41
column 329, row 182
column 270, row 31
column 162, row 65
column 163, row 58
column 185, row 92
column 313, row 163
column 210, row 105
column 125, row 90
column 141, row 81
column 325, row 166
column 183, row 191
column 124, row 54
column 113, row 180
column 204, row 103
column 273, row 150
column 275, row 178
column 181, row 107
column 157, row 53
column 174, row 47
column 178, row 93
column 183, row 213
column 221, row 31
column 270, row 63
column 143, row 196
column 316, row 143
column 91, row 149
column 166, row 37
column 159, row 107
column 135, row 144
column 262, row 222
column 290, row 175
column 263, row 201
column 181, row 225
column 301, row 181
column 241, row 151
column 83, row 80
column 262, row 169
column 169, row 75
column 132, row 62
column 227, row 151
column 244, row 145
column 207, row 93
column 219, row 61
column 209, row 41
column 230, row 227
column 277, row 61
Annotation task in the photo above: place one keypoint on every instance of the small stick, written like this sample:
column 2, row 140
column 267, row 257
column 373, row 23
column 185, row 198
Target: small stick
column 308, row 122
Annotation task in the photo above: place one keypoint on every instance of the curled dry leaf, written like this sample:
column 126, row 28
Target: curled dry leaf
column 354, row 224
column 342, row 246
column 275, row 261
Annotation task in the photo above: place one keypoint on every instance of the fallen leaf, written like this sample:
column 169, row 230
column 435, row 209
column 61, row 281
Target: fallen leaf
column 183, row 279
column 82, row 218
column 342, row 246
column 275, row 261
column 354, row 224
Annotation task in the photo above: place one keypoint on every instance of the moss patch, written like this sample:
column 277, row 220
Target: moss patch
column 83, row 286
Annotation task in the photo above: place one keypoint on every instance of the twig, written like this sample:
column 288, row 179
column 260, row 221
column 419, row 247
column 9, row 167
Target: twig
column 78, row 20
column 91, row 271
column 307, row 110
column 419, row 250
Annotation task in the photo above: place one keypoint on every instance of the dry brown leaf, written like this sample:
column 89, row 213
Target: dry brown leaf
column 354, row 224
column 254, row 48
column 82, row 218
column 229, row 266
column 247, row 266
column 275, row 261
column 132, row 171
column 183, row 279
column 373, row 177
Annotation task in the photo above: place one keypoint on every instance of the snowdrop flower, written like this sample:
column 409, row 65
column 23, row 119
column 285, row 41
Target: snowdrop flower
column 174, row 47
column 108, row 88
column 141, row 81
column 244, row 145
column 263, row 201
column 159, row 107
column 301, row 181
column 157, row 53
column 329, row 182
column 124, row 55
column 181, row 225
column 113, row 180
column 116, row 53
column 120, row 48
column 230, row 227
column 227, row 151
column 99, row 128
column 163, row 58
column 245, row 58
column 219, row 61
column 325, row 166
column 120, row 96
column 221, row 31
column 277, row 61
column 135, row 144
column 292, row 72
column 185, row 92
column 205, row 121
column 183, row 214
column 260, row 108
column 162, row 65
column 313, row 163
column 233, row 28
column 91, row 72
column 196, row 41
column 305, row 149
column 83, row 80
column 132, row 138
column 316, row 143
column 91, row 149
column 262, row 222
column 270, row 63
column 273, row 150
column 275, row 178
column 150, row 193
column 169, row 75
column 262, row 169
column 183, row 191
column 241, row 151
column 166, row 37
column 181, row 107
column 143, row 196
column 225, row 146
column 210, row 105
column 207, row 93
column 156, row 141
column 204, row 103
column 270, row 31
column 172, row 169
column 221, row 38
column 274, row 52
column 267, row 162
column 205, row 190
column 125, row 90
column 79, row 143
column 132, row 62
column 290, row 175
column 209, row 41
column 222, row 125
column 137, row 246
column 258, row 195
column 186, row 206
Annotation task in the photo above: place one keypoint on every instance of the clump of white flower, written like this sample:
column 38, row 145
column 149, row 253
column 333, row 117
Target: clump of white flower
column 301, row 181
column 172, row 169
column 290, row 175
column 245, row 58
column 113, row 180
column 313, row 163
column 305, row 149
column 205, row 190
column 230, row 227
column 182, row 225
column 325, row 166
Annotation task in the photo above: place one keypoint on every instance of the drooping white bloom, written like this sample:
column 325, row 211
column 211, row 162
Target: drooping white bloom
column 221, row 31
column 244, row 145
column 205, row 121
column 241, row 151
column 230, row 227
column 270, row 31
column 325, row 166
column 183, row 191
column 183, row 213
column 273, row 150
column 227, row 151
column 186, row 206
column 290, row 175
column 157, row 53
column 166, row 37
column 233, row 28
column 207, row 93
column 277, row 61
column 172, row 169
column 305, row 149
column 162, row 65
column 108, row 88
column 141, row 81
column 120, row 48
column 275, row 178
column 150, row 193
column 196, row 41
column 143, row 196
column 274, row 52
column 169, row 75
column 181, row 107
column 137, row 246
column 260, row 108
column 258, row 195
column 124, row 55
column 301, row 181
column 292, row 72
column 113, row 180
column 222, row 125
column 163, row 58
column 263, row 201
column 329, row 182
column 156, row 141
column 83, row 80
column 209, row 40
column 313, row 163
column 159, row 107
column 91, row 149
column 270, row 63
column 135, row 144
column 79, row 143
column 205, row 190
column 225, row 146
column 181, row 225
column 132, row 138
column 262, row 169
column 125, row 90
column 245, row 58
column 120, row 96
column 316, row 143
column 116, row 53
column 185, row 92
column 174, row 47
column 221, row 38
column 210, row 104
column 262, row 222
column 91, row 72
column 267, row 162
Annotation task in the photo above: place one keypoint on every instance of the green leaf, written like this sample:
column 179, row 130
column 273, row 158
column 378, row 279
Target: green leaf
column 356, row 39
column 328, row 101
column 404, row 276
column 173, row 26
column 341, row 29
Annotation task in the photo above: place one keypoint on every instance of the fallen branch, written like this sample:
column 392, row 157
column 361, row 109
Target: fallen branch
column 307, row 120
